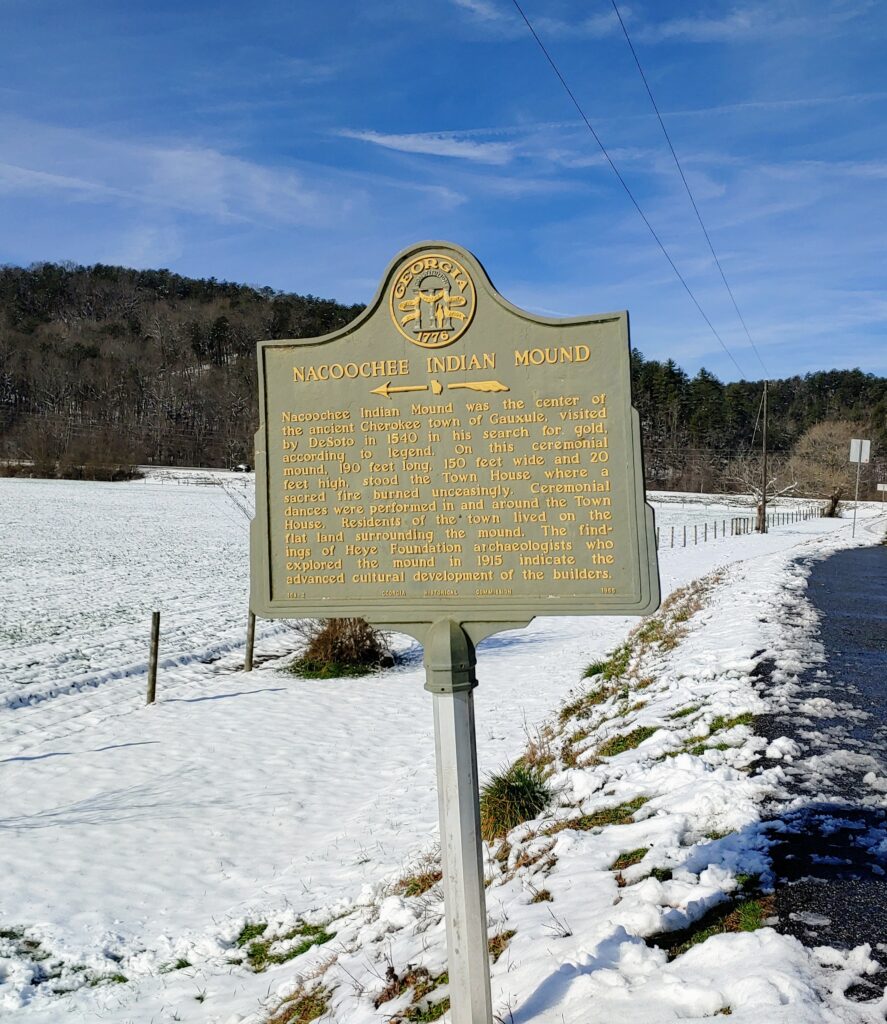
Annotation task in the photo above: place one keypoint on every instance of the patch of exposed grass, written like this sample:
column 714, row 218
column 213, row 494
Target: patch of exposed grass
column 498, row 943
column 12, row 933
column 721, row 722
column 579, row 735
column 747, row 916
column 617, row 663
column 626, row 860
column 684, row 712
column 541, row 896
column 625, row 741
column 434, row 1011
column 302, row 1007
column 619, row 815
column 511, row 797
column 596, row 668
column 661, row 874
column 251, row 930
column 261, row 951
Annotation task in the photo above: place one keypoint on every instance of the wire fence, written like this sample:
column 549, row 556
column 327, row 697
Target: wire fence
column 691, row 534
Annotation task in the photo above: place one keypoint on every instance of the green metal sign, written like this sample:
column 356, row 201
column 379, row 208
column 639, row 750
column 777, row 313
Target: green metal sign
column 449, row 456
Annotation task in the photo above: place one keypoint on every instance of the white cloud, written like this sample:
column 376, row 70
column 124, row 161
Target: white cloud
column 757, row 21
column 437, row 144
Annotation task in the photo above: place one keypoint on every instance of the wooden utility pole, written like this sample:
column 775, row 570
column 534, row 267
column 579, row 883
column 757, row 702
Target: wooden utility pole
column 762, row 513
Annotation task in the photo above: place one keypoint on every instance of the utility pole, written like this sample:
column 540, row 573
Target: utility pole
column 762, row 521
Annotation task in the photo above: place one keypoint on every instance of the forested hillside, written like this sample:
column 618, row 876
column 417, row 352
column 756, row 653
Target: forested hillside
column 109, row 366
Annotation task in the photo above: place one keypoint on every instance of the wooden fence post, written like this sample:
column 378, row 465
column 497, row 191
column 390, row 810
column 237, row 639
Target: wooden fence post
column 152, row 657
column 250, row 642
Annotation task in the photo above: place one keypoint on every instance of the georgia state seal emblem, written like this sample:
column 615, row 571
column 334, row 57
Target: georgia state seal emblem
column 432, row 300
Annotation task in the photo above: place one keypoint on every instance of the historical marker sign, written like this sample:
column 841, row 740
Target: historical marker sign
column 448, row 455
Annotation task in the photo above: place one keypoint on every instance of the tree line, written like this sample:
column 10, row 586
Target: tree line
column 105, row 366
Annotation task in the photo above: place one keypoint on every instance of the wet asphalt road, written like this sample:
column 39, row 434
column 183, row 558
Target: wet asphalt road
column 831, row 859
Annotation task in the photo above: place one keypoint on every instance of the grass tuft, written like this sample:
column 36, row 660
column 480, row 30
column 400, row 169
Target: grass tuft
column 340, row 647
column 511, row 797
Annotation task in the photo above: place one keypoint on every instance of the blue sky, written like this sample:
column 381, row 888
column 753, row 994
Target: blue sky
column 301, row 145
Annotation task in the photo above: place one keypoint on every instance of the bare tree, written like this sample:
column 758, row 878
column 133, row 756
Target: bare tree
column 820, row 461
column 746, row 475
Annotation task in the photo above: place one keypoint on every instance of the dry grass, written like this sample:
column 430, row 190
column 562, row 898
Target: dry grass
column 340, row 647
column 302, row 1007
column 426, row 875
column 499, row 943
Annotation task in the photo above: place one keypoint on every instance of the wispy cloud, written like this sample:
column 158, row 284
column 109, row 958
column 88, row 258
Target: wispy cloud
column 756, row 21
column 437, row 144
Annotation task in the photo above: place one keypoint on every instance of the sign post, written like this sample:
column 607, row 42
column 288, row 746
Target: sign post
column 860, row 450
column 451, row 466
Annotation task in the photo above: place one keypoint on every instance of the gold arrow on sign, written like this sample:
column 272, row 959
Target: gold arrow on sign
column 481, row 385
column 386, row 390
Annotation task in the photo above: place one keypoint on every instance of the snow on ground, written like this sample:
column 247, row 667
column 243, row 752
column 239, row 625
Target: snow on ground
column 134, row 838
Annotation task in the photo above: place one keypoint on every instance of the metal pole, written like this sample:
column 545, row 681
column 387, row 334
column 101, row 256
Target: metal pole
column 152, row 657
column 856, row 498
column 450, row 677
column 250, row 642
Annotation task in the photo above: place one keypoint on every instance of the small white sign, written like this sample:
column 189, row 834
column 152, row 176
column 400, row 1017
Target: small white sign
column 882, row 487
column 860, row 450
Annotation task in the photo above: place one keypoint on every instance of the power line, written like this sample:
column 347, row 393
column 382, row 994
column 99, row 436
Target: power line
column 687, row 187
column 624, row 185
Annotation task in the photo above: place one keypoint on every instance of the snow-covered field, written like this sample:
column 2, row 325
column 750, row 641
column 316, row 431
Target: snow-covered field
column 135, row 840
